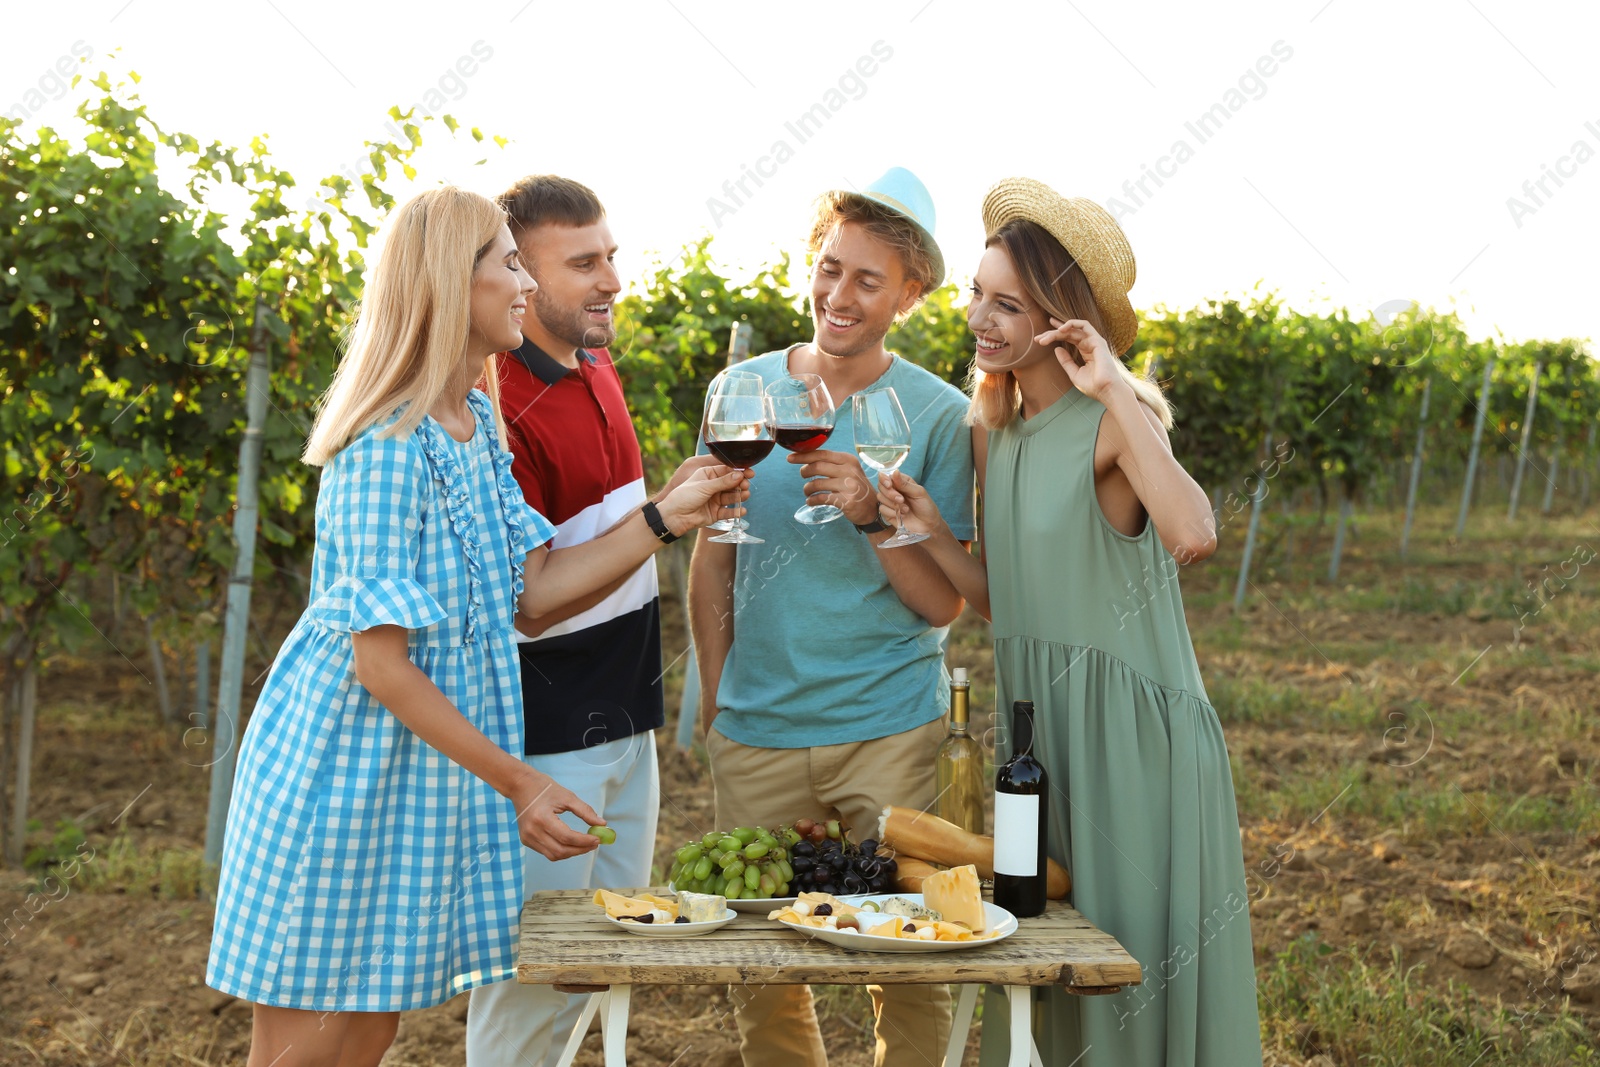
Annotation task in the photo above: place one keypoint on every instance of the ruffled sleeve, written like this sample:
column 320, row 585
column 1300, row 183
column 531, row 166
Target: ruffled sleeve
column 526, row 528
column 371, row 499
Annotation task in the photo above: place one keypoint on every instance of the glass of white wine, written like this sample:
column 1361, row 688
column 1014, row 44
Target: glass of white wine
column 883, row 441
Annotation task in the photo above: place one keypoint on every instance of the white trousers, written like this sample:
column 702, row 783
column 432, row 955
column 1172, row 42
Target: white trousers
column 510, row 1024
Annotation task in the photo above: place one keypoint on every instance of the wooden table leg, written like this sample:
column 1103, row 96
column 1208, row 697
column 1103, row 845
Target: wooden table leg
column 615, row 1024
column 570, row 1052
column 1024, row 1053
column 961, row 1025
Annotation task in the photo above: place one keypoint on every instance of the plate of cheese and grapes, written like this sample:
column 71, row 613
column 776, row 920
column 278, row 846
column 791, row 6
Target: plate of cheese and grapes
column 651, row 916
column 949, row 914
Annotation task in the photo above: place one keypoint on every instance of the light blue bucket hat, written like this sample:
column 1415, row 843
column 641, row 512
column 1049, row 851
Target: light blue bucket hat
column 903, row 193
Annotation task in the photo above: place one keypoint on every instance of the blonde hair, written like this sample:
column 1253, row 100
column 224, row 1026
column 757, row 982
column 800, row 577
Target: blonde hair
column 413, row 321
column 1054, row 282
column 834, row 209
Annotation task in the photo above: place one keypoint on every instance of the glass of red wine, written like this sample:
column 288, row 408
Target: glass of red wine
column 803, row 418
column 753, row 384
column 739, row 433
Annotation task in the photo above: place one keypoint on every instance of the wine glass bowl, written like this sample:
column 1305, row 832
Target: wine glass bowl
column 749, row 382
column 883, row 441
column 738, row 432
column 803, row 419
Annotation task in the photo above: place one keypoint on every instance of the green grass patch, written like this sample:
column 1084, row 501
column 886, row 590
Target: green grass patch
column 1422, row 807
column 165, row 874
column 1318, row 1000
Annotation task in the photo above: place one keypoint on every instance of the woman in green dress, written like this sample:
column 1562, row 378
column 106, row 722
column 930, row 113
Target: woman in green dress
column 1087, row 516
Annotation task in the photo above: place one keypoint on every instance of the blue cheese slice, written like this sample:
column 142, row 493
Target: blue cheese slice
column 702, row 907
column 909, row 909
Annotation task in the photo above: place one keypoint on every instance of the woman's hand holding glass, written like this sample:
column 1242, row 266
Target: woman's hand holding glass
column 704, row 496
column 898, row 493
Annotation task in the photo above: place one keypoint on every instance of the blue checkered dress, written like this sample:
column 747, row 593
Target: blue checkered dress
column 363, row 870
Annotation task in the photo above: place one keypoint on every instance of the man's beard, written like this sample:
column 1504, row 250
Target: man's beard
column 567, row 323
column 865, row 342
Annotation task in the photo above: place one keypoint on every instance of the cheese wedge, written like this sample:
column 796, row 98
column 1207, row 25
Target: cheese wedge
column 618, row 906
column 702, row 907
column 956, row 896
column 908, row 909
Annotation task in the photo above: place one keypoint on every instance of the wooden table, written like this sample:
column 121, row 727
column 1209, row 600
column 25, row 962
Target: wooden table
column 567, row 943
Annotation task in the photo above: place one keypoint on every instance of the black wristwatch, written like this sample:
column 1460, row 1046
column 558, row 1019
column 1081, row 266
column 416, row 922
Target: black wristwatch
column 658, row 526
column 875, row 526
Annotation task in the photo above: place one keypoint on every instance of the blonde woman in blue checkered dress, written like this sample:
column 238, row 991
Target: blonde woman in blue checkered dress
column 371, row 863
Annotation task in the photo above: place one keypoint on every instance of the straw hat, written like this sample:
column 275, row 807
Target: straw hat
column 1088, row 232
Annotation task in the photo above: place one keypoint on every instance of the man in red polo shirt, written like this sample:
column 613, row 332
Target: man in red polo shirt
column 591, row 672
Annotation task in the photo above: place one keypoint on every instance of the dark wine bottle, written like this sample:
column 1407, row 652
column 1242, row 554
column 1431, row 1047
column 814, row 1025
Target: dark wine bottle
column 1021, row 796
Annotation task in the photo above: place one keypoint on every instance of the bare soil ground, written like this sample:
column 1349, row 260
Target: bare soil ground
column 1418, row 783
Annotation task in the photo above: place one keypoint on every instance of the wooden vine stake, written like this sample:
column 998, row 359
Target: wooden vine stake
column 1555, row 457
column 1416, row 469
column 1256, row 498
column 1472, row 456
column 224, row 743
column 1527, row 436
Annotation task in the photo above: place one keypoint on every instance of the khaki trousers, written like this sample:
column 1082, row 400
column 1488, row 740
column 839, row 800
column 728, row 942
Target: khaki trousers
column 853, row 782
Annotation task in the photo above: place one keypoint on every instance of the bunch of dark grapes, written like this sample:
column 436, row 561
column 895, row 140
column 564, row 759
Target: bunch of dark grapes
column 827, row 862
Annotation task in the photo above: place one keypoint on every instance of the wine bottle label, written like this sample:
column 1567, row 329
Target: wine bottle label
column 1016, row 834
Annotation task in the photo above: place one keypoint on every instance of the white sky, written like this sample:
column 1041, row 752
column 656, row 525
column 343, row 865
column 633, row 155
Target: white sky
column 1375, row 166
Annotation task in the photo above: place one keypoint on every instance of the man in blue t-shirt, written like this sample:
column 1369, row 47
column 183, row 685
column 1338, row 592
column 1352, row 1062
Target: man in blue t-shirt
column 821, row 655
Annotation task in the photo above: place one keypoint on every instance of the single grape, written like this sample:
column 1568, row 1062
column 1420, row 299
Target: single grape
column 606, row 834
column 690, row 853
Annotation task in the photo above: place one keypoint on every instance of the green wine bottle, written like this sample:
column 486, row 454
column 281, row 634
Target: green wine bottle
column 960, row 764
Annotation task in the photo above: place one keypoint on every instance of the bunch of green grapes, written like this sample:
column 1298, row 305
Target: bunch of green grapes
column 749, row 863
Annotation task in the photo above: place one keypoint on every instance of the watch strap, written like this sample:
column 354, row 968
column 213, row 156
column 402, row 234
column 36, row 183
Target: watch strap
column 875, row 526
column 658, row 525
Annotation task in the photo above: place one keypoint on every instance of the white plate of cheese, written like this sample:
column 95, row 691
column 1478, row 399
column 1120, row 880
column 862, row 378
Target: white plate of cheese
column 999, row 924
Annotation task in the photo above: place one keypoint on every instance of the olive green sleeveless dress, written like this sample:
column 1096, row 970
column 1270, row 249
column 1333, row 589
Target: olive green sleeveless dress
column 1089, row 625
